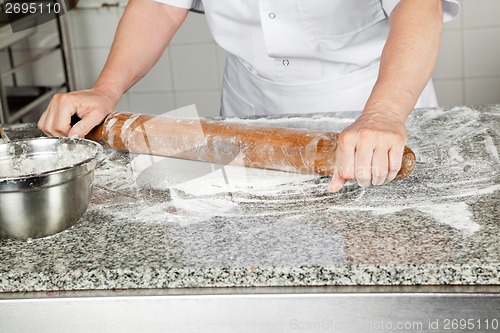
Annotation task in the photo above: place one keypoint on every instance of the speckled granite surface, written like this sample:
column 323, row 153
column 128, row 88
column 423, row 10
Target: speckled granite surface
column 440, row 226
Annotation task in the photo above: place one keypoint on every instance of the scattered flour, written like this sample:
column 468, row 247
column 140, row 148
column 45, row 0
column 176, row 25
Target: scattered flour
column 457, row 161
column 111, row 134
column 200, row 178
column 455, row 214
column 24, row 158
column 491, row 148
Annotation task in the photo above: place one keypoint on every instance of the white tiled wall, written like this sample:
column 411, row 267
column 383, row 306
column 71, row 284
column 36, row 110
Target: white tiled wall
column 190, row 71
column 47, row 71
column 468, row 67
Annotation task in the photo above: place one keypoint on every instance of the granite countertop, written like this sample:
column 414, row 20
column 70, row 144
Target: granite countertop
column 146, row 228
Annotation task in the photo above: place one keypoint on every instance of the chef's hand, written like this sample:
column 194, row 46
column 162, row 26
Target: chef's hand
column 370, row 150
column 91, row 105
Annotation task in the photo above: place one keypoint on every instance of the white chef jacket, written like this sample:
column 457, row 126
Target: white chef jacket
column 301, row 56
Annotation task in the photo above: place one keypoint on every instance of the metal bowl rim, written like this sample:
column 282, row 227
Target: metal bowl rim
column 99, row 150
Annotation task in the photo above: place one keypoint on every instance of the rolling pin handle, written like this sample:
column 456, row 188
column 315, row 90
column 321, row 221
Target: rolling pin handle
column 407, row 164
column 95, row 134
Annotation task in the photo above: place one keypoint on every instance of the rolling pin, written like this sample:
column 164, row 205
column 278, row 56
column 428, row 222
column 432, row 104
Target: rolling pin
column 224, row 142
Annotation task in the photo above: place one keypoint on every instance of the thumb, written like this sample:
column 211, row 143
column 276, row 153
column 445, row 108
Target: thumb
column 83, row 127
column 337, row 182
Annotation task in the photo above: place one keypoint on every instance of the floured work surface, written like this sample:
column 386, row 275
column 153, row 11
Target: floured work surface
column 162, row 223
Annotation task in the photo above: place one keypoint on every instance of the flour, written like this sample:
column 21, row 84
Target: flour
column 178, row 210
column 111, row 133
column 455, row 214
column 454, row 167
column 490, row 147
column 24, row 159
column 315, row 122
column 124, row 135
column 199, row 178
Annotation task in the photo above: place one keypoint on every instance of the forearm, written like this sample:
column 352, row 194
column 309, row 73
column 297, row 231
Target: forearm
column 143, row 33
column 408, row 57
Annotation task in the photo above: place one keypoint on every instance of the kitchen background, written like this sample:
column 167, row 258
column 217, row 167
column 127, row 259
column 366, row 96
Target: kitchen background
column 190, row 71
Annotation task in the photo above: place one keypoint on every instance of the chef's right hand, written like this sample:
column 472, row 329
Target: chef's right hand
column 91, row 106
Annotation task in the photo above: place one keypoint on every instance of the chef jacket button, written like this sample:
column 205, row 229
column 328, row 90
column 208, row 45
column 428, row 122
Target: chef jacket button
column 272, row 15
column 286, row 62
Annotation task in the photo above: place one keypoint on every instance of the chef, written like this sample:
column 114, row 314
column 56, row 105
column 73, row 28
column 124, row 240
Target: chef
column 287, row 56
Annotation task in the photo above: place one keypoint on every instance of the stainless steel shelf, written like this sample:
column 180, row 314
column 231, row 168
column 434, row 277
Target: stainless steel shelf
column 34, row 58
column 7, row 37
column 30, row 101
column 13, row 104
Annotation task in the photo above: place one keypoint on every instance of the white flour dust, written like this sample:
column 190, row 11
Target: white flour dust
column 111, row 133
column 200, row 179
column 23, row 160
column 185, row 191
column 457, row 161
column 452, row 166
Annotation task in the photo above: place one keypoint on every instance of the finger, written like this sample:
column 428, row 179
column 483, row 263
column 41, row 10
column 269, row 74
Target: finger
column 363, row 165
column 380, row 166
column 336, row 183
column 49, row 118
column 88, row 122
column 62, row 120
column 395, row 160
column 345, row 156
column 58, row 115
column 41, row 121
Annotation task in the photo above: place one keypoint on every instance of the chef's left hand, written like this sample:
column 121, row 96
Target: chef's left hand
column 370, row 150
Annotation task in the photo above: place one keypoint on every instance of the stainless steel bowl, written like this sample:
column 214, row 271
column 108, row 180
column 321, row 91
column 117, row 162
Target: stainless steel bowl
column 45, row 185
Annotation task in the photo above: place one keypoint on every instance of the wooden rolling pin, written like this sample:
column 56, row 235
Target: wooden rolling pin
column 224, row 142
